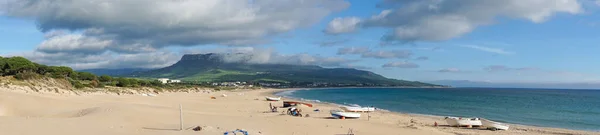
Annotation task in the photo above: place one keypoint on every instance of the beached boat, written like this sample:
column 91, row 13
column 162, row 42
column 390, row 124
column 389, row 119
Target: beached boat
column 294, row 103
column 358, row 109
column 494, row 125
column 457, row 121
column 348, row 115
column 273, row 99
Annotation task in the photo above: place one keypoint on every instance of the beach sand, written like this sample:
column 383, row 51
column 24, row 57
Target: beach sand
column 24, row 112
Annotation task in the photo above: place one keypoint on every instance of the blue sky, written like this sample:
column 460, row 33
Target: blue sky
column 550, row 42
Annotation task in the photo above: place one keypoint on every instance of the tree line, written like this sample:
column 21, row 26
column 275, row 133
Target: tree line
column 23, row 69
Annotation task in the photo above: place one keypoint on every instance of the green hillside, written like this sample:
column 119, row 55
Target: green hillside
column 211, row 68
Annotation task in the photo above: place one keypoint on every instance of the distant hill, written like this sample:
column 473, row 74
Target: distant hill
column 212, row 68
column 114, row 72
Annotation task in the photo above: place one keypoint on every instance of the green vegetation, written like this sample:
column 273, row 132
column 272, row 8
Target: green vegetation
column 23, row 69
column 211, row 68
column 200, row 70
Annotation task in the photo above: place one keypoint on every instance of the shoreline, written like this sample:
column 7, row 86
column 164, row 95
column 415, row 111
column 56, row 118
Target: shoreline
column 514, row 126
column 100, row 113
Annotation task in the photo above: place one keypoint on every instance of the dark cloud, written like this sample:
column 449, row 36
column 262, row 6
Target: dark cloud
column 437, row 20
column 401, row 64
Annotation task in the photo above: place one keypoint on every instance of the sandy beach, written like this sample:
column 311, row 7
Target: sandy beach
column 25, row 112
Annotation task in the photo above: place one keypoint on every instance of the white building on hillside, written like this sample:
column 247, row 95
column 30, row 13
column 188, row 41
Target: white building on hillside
column 174, row 81
column 163, row 80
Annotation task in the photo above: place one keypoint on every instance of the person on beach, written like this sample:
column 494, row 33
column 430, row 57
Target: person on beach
column 291, row 110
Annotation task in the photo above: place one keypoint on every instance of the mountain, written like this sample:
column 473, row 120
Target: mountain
column 468, row 83
column 114, row 72
column 216, row 68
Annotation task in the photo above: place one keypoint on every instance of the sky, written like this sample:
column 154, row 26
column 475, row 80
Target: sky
column 503, row 41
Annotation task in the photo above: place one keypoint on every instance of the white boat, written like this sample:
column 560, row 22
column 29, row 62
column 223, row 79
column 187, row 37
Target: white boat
column 457, row 121
column 273, row 99
column 358, row 109
column 347, row 115
column 494, row 125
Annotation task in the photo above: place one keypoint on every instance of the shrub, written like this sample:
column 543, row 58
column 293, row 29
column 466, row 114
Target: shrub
column 86, row 76
column 77, row 84
column 61, row 72
column 16, row 65
column 26, row 75
column 105, row 78
column 123, row 82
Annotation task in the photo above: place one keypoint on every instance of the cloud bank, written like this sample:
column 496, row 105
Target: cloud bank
column 269, row 56
column 175, row 22
column 438, row 20
column 133, row 33
column 366, row 52
column 500, row 68
column 488, row 49
column 400, row 64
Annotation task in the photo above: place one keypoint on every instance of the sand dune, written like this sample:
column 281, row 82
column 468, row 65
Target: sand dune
column 34, row 113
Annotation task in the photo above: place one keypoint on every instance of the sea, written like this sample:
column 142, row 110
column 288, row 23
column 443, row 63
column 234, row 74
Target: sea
column 559, row 108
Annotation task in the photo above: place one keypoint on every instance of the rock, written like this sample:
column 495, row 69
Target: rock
column 197, row 128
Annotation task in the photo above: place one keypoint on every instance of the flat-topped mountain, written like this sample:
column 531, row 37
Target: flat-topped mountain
column 214, row 67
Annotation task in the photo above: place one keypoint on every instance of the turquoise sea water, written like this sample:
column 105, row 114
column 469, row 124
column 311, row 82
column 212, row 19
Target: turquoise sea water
column 572, row 109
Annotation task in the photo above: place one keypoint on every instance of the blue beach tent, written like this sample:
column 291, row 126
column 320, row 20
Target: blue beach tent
column 235, row 132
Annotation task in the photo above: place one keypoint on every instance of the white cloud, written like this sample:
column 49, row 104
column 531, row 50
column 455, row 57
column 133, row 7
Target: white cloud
column 342, row 25
column 422, row 58
column 332, row 42
column 400, row 64
column 488, row 49
column 74, row 44
column 270, row 56
column 175, row 22
column 437, row 20
column 450, row 70
column 55, row 33
column 105, row 60
column 365, row 52
column 353, row 50
column 498, row 68
column 132, row 33
column 401, row 54
column 162, row 58
column 62, row 42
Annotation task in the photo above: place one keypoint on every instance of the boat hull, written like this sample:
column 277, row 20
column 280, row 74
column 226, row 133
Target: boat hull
column 273, row 99
column 358, row 109
column 293, row 103
column 347, row 115
column 454, row 121
column 494, row 125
